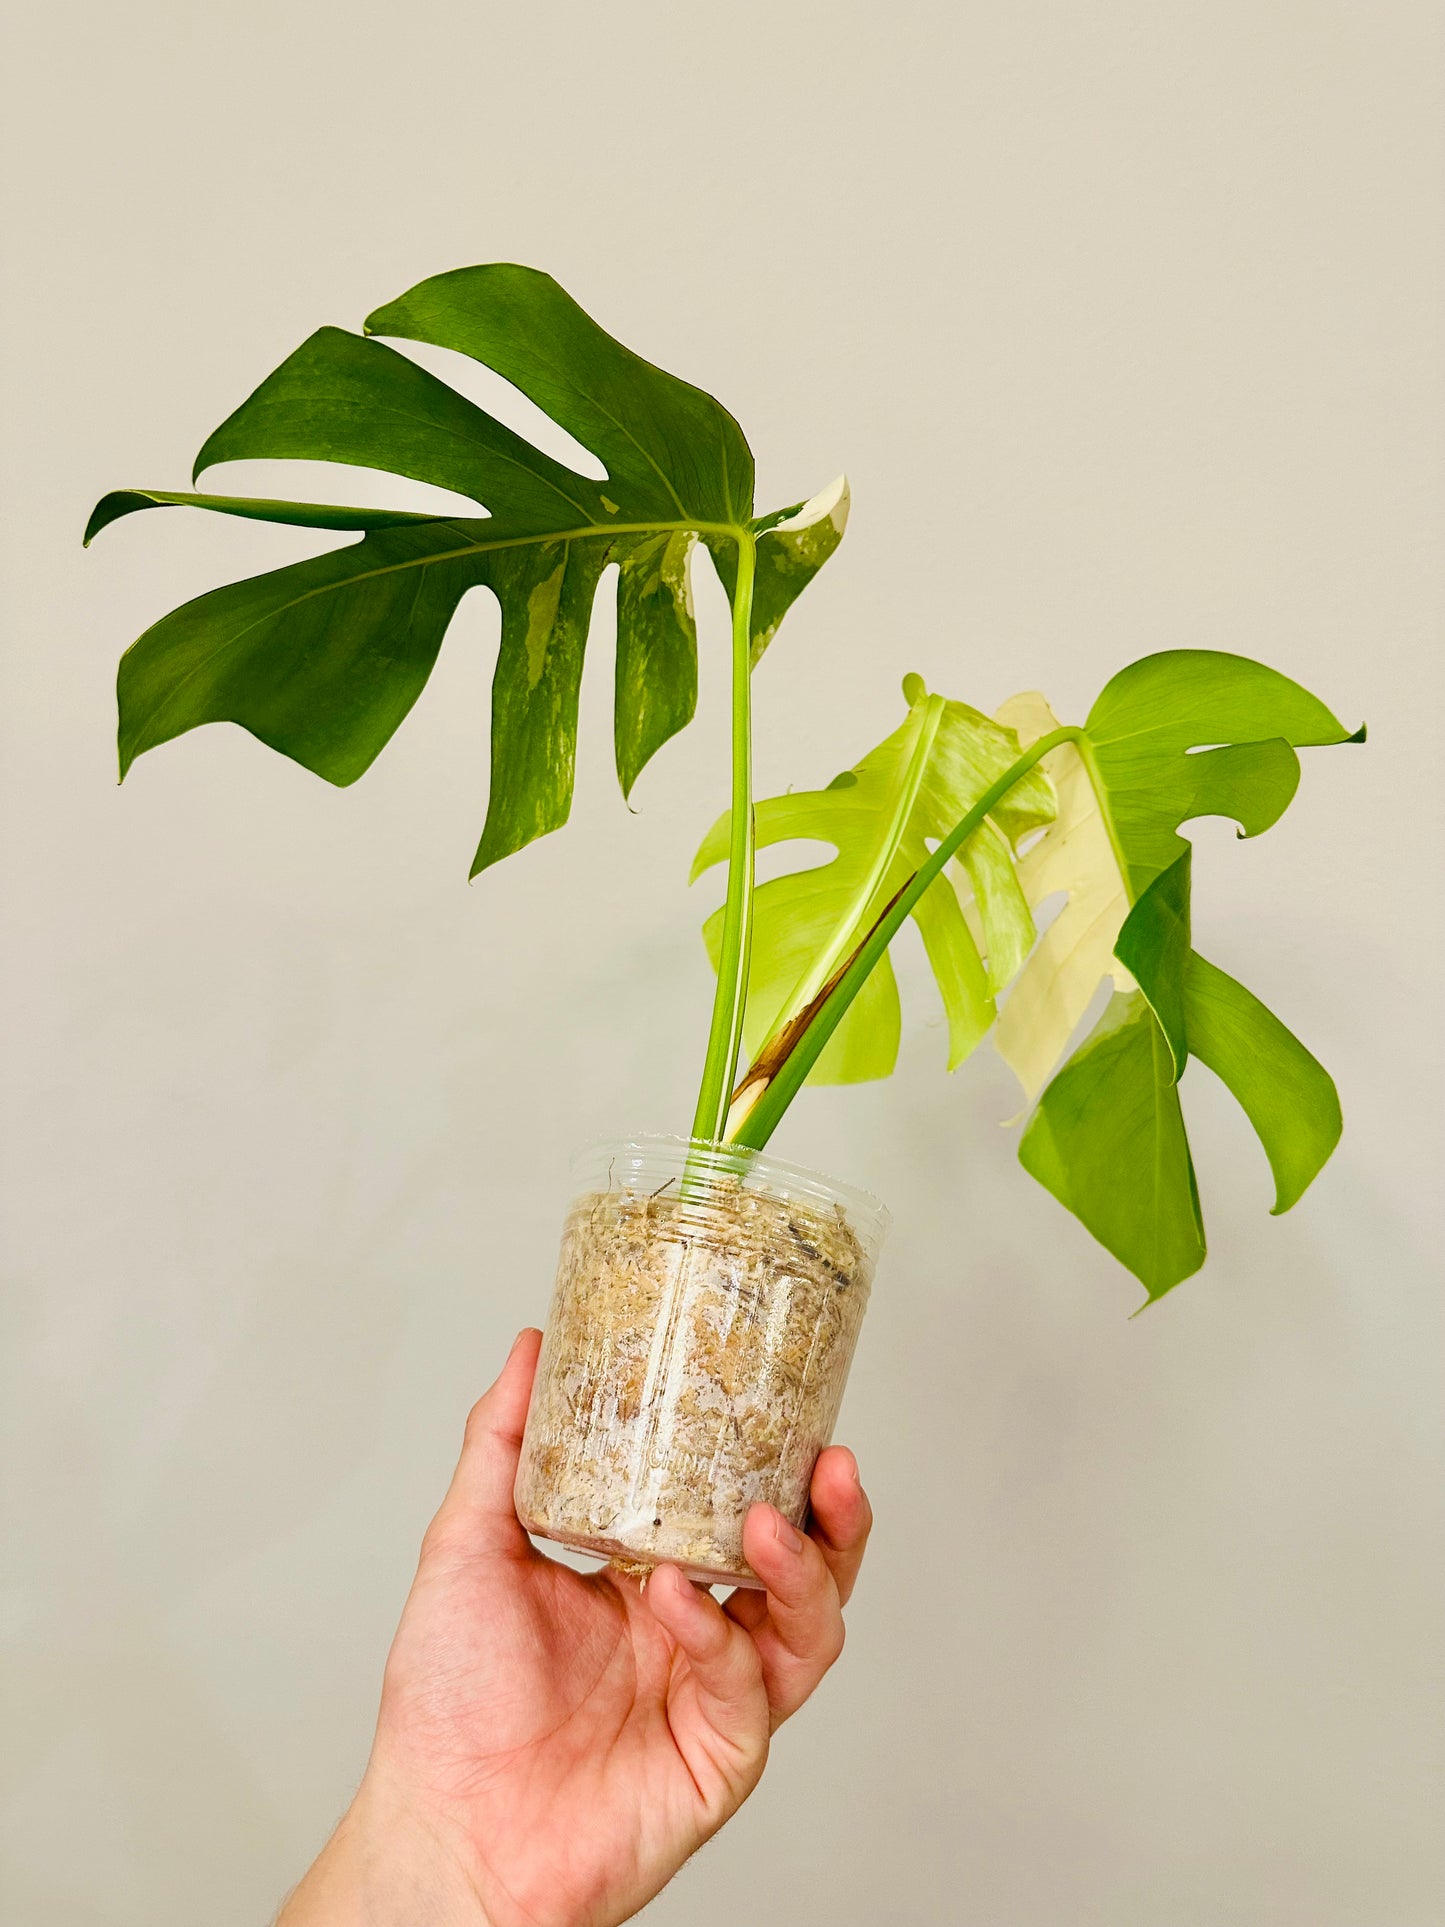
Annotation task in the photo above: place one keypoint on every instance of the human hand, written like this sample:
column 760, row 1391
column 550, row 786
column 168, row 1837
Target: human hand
column 552, row 1745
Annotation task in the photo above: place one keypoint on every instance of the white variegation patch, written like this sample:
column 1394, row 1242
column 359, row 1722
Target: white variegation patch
column 542, row 604
column 791, row 553
column 1076, row 953
column 830, row 504
column 676, row 575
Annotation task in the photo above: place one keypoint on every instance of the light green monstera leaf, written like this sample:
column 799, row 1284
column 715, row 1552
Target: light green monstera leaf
column 880, row 817
column 1179, row 735
column 1184, row 734
column 323, row 659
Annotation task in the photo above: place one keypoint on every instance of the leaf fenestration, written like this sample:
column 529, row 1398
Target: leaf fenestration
column 322, row 660
column 1199, row 732
column 672, row 453
column 344, row 398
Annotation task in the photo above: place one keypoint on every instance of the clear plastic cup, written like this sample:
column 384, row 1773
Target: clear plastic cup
column 704, row 1317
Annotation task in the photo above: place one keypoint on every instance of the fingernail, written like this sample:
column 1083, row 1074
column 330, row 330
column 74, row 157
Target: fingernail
column 785, row 1534
column 853, row 1471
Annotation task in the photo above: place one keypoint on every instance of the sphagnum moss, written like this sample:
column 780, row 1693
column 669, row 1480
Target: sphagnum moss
column 694, row 1364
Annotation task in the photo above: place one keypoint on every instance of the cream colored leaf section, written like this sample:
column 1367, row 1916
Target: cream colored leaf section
column 791, row 553
column 1076, row 952
column 830, row 505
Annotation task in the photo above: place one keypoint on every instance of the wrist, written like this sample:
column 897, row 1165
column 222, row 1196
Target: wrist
column 383, row 1868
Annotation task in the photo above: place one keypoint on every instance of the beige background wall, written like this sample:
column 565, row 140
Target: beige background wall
column 1126, row 321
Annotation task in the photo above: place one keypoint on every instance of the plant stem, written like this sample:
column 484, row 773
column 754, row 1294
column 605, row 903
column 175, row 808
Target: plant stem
column 763, row 1118
column 726, row 1033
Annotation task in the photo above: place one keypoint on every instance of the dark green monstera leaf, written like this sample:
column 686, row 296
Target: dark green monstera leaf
column 322, row 660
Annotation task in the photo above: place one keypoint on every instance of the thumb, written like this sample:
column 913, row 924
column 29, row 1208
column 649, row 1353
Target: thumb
column 477, row 1514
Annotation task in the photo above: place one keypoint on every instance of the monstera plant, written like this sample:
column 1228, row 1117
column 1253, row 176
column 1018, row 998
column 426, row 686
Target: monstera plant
column 969, row 824
column 323, row 659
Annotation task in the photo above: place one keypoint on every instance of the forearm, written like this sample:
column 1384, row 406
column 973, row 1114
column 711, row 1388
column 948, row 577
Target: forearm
column 383, row 1870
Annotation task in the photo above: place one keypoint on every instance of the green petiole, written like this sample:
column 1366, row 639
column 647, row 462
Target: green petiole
column 725, row 1036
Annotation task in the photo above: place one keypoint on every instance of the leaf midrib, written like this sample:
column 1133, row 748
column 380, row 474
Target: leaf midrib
column 726, row 529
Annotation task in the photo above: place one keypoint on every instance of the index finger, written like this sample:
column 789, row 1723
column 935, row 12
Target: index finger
column 841, row 1521
column 842, row 1517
